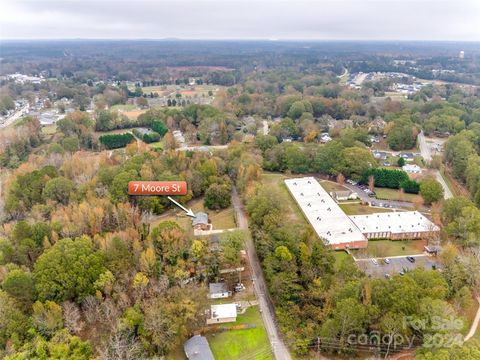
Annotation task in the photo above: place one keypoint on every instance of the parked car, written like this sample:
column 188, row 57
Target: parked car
column 388, row 276
column 374, row 261
column 401, row 272
column 386, row 261
column 411, row 259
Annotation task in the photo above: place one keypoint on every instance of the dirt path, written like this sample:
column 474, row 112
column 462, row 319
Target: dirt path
column 474, row 326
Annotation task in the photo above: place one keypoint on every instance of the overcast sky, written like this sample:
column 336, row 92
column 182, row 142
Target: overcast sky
column 242, row 19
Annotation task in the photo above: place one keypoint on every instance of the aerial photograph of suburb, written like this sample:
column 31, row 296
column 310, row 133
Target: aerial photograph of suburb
column 240, row 179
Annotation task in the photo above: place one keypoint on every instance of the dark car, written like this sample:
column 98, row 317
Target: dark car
column 411, row 259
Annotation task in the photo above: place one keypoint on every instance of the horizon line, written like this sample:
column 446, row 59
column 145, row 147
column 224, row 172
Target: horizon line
column 238, row 39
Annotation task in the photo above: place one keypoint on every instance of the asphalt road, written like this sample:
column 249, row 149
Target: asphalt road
column 279, row 348
column 426, row 152
column 14, row 117
column 363, row 196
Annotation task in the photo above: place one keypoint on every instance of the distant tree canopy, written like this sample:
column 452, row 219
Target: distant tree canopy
column 402, row 134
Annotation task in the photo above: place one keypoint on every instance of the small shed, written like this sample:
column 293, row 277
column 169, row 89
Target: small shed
column 197, row 348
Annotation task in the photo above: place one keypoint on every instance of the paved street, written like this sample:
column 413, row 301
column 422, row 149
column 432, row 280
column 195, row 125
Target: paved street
column 391, row 203
column 14, row 117
column 279, row 348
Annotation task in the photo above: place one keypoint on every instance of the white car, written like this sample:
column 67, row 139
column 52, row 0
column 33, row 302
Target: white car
column 374, row 261
column 386, row 261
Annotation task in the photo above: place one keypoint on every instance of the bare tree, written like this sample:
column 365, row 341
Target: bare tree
column 72, row 317
column 91, row 309
column 122, row 345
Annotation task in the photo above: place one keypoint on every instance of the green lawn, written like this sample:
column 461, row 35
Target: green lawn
column 330, row 186
column 236, row 344
column 49, row 129
column 385, row 248
column 123, row 107
column 359, row 209
column 276, row 183
column 156, row 145
column 393, row 194
column 340, row 256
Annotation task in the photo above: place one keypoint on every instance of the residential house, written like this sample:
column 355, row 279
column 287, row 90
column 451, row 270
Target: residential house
column 412, row 169
column 380, row 155
column 409, row 157
column 325, row 137
column 218, row 291
column 200, row 221
column 222, row 313
column 344, row 195
column 197, row 348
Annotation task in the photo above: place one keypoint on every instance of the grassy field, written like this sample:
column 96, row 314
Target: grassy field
column 49, row 129
column 385, row 248
column 341, row 256
column 221, row 219
column 332, row 186
column 123, row 107
column 393, row 194
column 359, row 209
column 236, row 344
column 184, row 90
column 156, row 145
column 275, row 182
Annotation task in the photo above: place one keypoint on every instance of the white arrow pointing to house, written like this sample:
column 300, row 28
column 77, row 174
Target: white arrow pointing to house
column 188, row 211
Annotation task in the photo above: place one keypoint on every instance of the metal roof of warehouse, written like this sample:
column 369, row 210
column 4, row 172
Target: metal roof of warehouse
column 326, row 217
column 394, row 222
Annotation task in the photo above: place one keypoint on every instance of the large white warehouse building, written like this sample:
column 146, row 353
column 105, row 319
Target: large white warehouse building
column 352, row 232
column 327, row 219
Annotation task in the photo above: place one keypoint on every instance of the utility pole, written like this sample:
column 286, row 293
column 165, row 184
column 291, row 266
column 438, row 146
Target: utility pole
column 318, row 348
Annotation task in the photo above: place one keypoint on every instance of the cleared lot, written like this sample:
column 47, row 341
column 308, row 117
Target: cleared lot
column 396, row 265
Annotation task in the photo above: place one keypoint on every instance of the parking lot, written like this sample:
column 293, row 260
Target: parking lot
column 396, row 265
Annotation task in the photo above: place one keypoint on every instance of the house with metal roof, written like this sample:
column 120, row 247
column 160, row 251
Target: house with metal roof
column 218, row 291
column 197, row 348
column 200, row 221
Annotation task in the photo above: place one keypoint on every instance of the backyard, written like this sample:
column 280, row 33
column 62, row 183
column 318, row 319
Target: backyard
column 236, row 344
column 221, row 219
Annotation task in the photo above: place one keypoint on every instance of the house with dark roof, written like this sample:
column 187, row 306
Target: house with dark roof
column 200, row 221
column 197, row 348
column 381, row 155
column 218, row 291
column 407, row 156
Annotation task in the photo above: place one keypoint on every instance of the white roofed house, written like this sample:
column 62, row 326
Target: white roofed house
column 222, row 313
column 412, row 169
